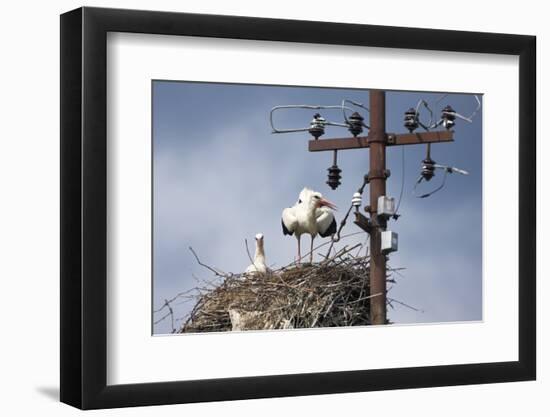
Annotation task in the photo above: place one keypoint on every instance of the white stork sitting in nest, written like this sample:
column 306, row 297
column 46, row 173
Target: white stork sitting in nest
column 258, row 266
column 312, row 214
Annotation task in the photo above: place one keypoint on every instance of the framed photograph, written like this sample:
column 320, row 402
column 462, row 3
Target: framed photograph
column 257, row 208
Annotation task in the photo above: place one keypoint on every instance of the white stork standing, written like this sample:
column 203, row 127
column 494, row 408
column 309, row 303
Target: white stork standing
column 312, row 214
column 258, row 266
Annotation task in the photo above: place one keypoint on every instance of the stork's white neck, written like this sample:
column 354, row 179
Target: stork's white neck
column 259, row 255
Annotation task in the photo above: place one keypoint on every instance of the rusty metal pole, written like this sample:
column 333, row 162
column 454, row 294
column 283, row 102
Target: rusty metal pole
column 377, row 184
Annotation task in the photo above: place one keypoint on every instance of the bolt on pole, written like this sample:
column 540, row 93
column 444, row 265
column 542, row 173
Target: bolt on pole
column 377, row 185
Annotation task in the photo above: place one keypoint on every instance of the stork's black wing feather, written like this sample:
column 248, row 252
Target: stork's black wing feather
column 330, row 230
column 285, row 230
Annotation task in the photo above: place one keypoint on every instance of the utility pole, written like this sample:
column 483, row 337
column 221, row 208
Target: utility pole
column 377, row 141
column 377, row 185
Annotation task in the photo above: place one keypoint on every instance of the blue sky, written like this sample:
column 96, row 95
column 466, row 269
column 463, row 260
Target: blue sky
column 220, row 176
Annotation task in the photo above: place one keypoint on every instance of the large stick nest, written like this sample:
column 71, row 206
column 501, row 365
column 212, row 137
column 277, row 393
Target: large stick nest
column 334, row 292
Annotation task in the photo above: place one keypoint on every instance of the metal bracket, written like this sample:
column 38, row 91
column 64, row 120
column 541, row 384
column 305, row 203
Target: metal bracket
column 373, row 175
column 363, row 222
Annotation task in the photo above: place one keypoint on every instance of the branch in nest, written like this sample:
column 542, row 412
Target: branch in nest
column 393, row 300
column 248, row 252
column 333, row 292
column 215, row 271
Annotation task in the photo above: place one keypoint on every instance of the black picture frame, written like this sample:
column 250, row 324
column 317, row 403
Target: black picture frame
column 84, row 207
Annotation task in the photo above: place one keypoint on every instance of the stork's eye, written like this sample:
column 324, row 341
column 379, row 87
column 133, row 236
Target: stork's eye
column 299, row 201
column 317, row 197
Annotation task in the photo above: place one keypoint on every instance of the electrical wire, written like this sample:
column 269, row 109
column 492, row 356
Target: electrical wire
column 336, row 237
column 343, row 107
column 303, row 106
column 354, row 103
column 396, row 215
column 435, row 190
column 431, row 124
column 440, row 98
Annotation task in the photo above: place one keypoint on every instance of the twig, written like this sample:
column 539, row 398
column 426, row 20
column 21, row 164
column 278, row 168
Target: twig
column 365, row 298
column 248, row 252
column 218, row 273
column 332, row 292
column 167, row 302
column 327, row 243
column 405, row 305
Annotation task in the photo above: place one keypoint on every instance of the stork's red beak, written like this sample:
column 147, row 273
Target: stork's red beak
column 324, row 202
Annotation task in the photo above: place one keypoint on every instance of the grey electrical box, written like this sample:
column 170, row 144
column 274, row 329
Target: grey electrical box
column 386, row 206
column 389, row 241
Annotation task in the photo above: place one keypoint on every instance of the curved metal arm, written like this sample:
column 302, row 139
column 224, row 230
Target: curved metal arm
column 469, row 119
column 302, row 106
column 447, row 169
column 417, row 110
column 435, row 190
column 356, row 104
column 432, row 124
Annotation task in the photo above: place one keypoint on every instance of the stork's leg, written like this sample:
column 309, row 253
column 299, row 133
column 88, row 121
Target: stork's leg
column 299, row 253
column 311, row 251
